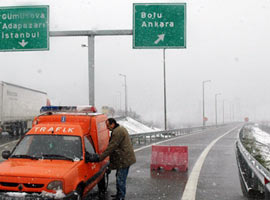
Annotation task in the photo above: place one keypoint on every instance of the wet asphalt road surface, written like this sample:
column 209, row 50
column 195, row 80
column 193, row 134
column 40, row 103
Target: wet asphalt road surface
column 218, row 179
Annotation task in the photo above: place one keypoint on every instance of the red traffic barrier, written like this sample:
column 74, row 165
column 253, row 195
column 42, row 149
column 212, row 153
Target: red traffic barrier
column 169, row 157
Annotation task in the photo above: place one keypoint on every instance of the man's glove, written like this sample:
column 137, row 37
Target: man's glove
column 93, row 157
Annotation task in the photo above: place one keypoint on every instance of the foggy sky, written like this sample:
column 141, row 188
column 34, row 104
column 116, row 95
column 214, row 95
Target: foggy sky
column 227, row 43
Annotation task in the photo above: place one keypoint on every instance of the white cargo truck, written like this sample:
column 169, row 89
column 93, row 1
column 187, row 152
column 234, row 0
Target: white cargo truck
column 18, row 106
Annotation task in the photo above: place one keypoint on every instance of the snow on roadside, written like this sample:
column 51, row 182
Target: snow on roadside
column 261, row 136
column 261, row 147
column 134, row 126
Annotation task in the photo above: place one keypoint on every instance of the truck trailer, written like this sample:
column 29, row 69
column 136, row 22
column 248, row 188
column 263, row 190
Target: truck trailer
column 18, row 107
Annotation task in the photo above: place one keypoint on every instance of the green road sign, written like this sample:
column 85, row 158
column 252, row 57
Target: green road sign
column 159, row 25
column 24, row 28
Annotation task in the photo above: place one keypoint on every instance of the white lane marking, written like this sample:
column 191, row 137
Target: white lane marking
column 191, row 186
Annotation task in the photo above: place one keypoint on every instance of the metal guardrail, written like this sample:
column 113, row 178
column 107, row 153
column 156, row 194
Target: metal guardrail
column 254, row 178
column 150, row 137
column 119, row 118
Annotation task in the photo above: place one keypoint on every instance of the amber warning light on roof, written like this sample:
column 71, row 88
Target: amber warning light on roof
column 75, row 109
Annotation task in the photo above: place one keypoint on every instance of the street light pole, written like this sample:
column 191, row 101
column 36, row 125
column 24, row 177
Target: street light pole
column 216, row 105
column 120, row 100
column 126, row 107
column 165, row 93
column 223, row 110
column 91, row 69
column 203, row 100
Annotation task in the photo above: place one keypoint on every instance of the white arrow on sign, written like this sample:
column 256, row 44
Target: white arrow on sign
column 23, row 43
column 160, row 37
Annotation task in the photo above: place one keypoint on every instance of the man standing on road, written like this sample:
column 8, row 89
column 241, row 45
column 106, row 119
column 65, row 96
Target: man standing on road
column 121, row 154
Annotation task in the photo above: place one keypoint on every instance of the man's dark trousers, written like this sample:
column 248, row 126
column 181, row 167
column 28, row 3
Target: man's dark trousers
column 121, row 178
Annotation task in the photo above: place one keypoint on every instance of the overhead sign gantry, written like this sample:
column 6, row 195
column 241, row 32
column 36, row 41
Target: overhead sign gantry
column 24, row 28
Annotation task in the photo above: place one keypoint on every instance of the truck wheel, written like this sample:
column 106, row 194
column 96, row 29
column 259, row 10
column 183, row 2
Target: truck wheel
column 20, row 130
column 24, row 127
column 14, row 131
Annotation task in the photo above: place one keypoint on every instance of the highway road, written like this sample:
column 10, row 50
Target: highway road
column 212, row 170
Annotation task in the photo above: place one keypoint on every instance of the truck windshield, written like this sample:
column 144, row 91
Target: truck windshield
column 49, row 147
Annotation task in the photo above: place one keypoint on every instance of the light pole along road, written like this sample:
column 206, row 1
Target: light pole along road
column 216, row 106
column 203, row 100
column 126, row 107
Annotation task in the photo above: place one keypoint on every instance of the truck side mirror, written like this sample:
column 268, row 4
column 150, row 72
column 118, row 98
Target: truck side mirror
column 6, row 154
column 91, row 157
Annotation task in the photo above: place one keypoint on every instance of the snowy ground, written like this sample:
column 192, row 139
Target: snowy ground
column 261, row 136
column 259, row 143
column 134, row 126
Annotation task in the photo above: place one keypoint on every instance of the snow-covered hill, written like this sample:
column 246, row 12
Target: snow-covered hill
column 134, row 126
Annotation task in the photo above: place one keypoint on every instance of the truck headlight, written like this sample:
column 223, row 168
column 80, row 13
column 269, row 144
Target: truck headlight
column 55, row 185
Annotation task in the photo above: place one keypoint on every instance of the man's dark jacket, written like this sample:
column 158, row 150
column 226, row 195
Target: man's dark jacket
column 120, row 149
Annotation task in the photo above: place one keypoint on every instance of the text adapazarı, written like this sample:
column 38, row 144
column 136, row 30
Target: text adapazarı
column 19, row 26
